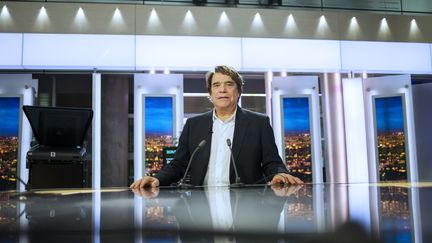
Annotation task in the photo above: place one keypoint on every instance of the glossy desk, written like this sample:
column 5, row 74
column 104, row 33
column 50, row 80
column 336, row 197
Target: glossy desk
column 396, row 212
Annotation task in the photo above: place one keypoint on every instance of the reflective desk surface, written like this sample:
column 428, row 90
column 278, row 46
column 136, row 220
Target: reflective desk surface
column 396, row 212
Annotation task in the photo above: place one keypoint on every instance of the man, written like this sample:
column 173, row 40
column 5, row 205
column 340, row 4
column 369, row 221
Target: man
column 253, row 144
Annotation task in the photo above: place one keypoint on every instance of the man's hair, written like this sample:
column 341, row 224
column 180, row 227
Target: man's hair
column 227, row 70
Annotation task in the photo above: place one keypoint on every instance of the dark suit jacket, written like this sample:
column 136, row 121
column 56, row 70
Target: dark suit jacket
column 253, row 145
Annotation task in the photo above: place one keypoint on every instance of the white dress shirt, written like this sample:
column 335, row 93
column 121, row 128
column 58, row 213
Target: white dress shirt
column 218, row 170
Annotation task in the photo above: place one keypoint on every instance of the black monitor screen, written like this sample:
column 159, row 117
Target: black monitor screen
column 59, row 127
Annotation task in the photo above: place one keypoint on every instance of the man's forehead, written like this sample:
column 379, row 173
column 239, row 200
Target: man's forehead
column 223, row 81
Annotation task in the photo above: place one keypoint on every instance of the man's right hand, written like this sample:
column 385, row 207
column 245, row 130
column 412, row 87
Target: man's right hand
column 146, row 181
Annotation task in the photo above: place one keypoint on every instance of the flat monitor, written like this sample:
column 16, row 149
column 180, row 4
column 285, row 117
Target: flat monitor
column 168, row 154
column 59, row 126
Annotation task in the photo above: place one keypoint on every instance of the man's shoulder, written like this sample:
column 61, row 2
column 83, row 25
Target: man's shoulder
column 253, row 114
column 199, row 117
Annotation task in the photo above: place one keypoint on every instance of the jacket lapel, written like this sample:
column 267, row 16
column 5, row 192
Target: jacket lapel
column 241, row 125
column 207, row 126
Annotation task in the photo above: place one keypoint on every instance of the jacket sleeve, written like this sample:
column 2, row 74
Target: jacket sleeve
column 272, row 163
column 175, row 170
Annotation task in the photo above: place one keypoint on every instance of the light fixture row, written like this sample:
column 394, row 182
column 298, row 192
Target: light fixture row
column 189, row 12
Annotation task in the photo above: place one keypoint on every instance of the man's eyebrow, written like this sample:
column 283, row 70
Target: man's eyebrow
column 226, row 81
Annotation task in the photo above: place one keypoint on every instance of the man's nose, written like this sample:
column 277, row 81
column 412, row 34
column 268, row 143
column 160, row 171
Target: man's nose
column 222, row 88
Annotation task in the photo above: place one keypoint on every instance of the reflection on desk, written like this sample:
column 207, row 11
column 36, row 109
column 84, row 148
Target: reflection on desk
column 311, row 212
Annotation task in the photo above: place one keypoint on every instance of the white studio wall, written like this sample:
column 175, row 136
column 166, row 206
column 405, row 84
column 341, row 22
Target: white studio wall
column 386, row 57
column 385, row 89
column 23, row 86
column 295, row 105
column 187, row 52
column 11, row 50
column 146, row 86
column 143, row 52
column 290, row 54
column 76, row 51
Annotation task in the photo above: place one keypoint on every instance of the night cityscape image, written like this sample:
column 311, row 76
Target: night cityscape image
column 297, row 137
column 391, row 138
column 299, row 209
column 395, row 214
column 9, row 132
column 159, row 132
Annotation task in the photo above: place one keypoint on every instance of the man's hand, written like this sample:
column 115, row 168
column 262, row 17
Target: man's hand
column 146, row 181
column 287, row 179
column 149, row 192
column 286, row 191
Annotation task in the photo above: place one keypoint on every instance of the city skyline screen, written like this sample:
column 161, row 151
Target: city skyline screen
column 9, row 138
column 159, row 130
column 390, row 129
column 395, row 215
column 297, row 137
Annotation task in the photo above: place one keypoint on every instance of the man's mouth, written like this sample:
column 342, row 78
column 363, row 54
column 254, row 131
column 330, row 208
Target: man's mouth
column 223, row 97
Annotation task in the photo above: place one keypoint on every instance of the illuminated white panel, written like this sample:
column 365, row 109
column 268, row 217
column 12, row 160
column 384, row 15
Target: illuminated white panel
column 298, row 86
column 390, row 86
column 21, row 85
column 386, row 56
column 10, row 49
column 154, row 84
column 180, row 52
column 355, row 131
column 53, row 51
column 287, row 54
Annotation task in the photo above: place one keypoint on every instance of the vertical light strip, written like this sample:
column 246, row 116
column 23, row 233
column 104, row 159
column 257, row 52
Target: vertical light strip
column 319, row 207
column 355, row 131
column 25, row 138
column 416, row 214
column 96, row 215
column 139, row 215
column 334, row 127
column 268, row 92
column 23, row 222
column 360, row 205
column 317, row 163
column 410, row 129
column 96, row 128
column 138, row 143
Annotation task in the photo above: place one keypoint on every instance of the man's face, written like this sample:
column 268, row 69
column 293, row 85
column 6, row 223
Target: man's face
column 224, row 93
